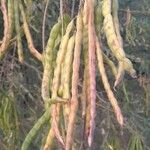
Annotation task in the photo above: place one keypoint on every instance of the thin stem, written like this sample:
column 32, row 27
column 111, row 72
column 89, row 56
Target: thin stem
column 43, row 25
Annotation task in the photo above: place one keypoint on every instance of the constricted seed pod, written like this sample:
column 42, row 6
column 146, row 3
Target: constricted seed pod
column 8, row 17
column 27, row 32
column 98, row 17
column 128, row 66
column 112, row 39
column 47, row 61
column 33, row 132
column 17, row 27
column 111, row 64
column 106, row 7
column 66, row 76
column 85, row 13
column 64, row 88
column 68, row 67
column 59, row 59
column 120, row 74
column 115, row 7
column 106, row 84
column 75, row 79
column 11, row 6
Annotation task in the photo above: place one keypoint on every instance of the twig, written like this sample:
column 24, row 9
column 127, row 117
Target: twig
column 43, row 25
column 136, row 12
column 28, row 36
column 73, row 8
column 6, row 28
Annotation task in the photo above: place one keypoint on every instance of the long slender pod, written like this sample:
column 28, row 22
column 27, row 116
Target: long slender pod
column 92, row 73
column 110, row 64
column 32, row 49
column 85, row 13
column 59, row 59
column 120, row 74
column 67, row 67
column 114, row 40
column 66, row 92
column 85, row 100
column 67, row 76
column 55, row 123
column 54, row 130
column 98, row 24
column 33, row 132
column 49, row 139
column 6, row 35
column 106, row 84
column 110, row 32
column 60, row 90
column 18, row 31
column 10, row 4
column 75, row 78
column 66, row 20
column 115, row 8
column 98, row 17
column 126, row 64
column 47, row 61
column 55, row 83
column 115, row 46
column 106, row 7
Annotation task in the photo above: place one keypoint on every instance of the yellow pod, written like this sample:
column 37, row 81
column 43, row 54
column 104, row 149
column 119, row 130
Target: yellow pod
column 48, row 56
column 67, row 67
column 85, row 13
column 112, row 39
column 111, row 64
column 115, row 7
column 120, row 74
column 59, row 59
column 106, row 7
column 128, row 66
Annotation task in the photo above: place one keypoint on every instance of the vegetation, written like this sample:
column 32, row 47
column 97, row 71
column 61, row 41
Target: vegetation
column 87, row 84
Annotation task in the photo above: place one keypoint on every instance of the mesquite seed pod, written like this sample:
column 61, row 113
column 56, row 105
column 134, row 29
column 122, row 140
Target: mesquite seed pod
column 59, row 59
column 128, row 66
column 17, row 27
column 11, row 6
column 47, row 61
column 66, row 76
column 8, row 26
column 106, row 7
column 106, row 84
column 67, row 67
column 112, row 38
column 120, row 74
column 98, row 17
column 111, row 64
column 75, row 78
column 115, row 7
column 28, row 35
column 37, row 126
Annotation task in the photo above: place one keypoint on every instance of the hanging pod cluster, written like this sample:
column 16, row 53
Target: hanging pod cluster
column 61, row 59
column 14, row 28
column 114, row 40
